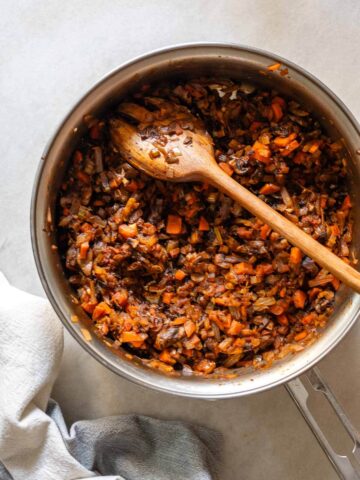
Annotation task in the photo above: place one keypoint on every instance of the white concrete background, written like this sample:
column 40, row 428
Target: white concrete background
column 50, row 53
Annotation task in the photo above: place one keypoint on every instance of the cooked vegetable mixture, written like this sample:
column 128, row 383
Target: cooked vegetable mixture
column 180, row 275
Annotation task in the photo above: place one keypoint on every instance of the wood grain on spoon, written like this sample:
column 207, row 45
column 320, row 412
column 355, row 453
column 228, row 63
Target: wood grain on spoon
column 187, row 155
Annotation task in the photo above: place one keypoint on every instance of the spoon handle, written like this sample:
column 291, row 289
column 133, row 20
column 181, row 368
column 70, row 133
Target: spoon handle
column 322, row 255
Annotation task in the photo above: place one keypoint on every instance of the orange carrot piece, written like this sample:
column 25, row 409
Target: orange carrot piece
column 84, row 248
column 284, row 141
column 244, row 232
column 283, row 320
column 166, row 357
column 132, row 186
column 189, row 328
column 262, row 149
column 227, row 168
column 346, row 203
column 244, row 268
column 299, row 299
column 180, row 275
column 120, row 298
column 276, row 310
column 299, row 158
column 255, row 125
column 174, row 224
column 264, row 269
column 131, row 336
column 278, row 113
column 78, row 156
column 235, row 328
column 203, row 225
column 308, row 319
column 300, row 336
column 128, row 231
column 290, row 148
column 336, row 283
column 295, row 255
column 167, row 296
column 100, row 310
column 274, row 67
column 264, row 231
column 268, row 189
column 280, row 101
column 83, row 177
column 179, row 321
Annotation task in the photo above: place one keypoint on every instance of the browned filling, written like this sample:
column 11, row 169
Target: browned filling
column 179, row 274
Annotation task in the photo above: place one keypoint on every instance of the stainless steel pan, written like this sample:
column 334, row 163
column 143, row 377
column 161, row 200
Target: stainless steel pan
column 240, row 63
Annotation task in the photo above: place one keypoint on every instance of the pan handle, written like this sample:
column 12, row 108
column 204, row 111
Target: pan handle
column 301, row 390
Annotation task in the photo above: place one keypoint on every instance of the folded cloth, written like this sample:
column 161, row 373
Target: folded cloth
column 35, row 443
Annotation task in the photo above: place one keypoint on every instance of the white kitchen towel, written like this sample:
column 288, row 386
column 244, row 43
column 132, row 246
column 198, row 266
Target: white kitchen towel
column 35, row 443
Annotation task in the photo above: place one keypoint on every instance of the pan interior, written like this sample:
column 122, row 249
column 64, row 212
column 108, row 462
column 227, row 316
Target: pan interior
column 190, row 62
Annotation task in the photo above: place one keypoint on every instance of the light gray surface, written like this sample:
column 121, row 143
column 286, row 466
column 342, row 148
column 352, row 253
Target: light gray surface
column 50, row 53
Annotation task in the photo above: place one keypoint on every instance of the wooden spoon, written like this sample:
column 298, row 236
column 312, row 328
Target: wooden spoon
column 159, row 146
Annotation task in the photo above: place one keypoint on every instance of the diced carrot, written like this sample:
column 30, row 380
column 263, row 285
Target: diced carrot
column 132, row 186
column 314, row 292
column 282, row 292
column 284, row 141
column 335, row 283
column 264, row 269
column 84, row 248
column 277, row 309
column 262, row 149
column 283, row 320
column 255, row 125
column 290, row 148
column 280, row 101
column 299, row 299
column 166, row 357
column 244, row 268
column 100, row 310
column 189, row 327
column 300, row 336
column 128, row 231
column 131, row 336
column 83, row 177
column 89, row 307
column 268, row 189
column 179, row 321
column 346, row 203
column 246, row 233
column 78, row 156
column 307, row 318
column 315, row 146
column 203, row 225
column 274, row 67
column 235, row 328
column 180, row 275
column 120, row 297
column 174, row 224
column 227, row 168
column 278, row 113
column 295, row 255
column 264, row 231
column 167, row 296
column 284, row 71
column 138, row 344
column 205, row 366
column 299, row 158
